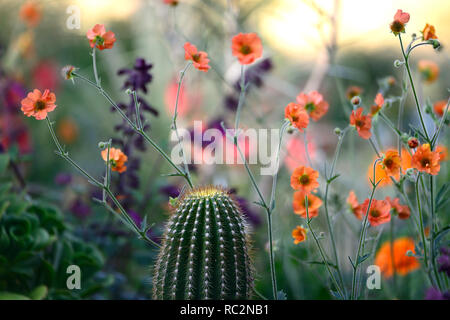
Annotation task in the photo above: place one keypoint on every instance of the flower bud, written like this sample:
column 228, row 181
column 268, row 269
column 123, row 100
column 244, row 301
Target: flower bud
column 398, row 63
column 404, row 137
column 409, row 253
column 410, row 174
column 356, row 101
column 67, row 72
column 428, row 109
column 435, row 42
column 337, row 131
column 413, row 142
column 102, row 145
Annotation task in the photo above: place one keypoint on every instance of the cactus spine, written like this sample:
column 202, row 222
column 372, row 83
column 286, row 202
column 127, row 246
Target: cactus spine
column 205, row 250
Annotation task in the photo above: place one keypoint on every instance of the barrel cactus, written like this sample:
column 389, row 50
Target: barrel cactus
column 205, row 249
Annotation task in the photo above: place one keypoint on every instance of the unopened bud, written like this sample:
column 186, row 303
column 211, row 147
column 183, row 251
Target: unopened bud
column 413, row 142
column 337, row 131
column 102, row 145
column 409, row 253
column 435, row 42
column 356, row 101
column 405, row 137
column 428, row 109
column 398, row 63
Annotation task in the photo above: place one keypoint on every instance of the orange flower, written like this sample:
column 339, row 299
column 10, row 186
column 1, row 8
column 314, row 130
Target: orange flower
column 429, row 32
column 30, row 13
column 426, row 160
column 400, row 20
column 402, row 210
column 67, row 130
column 353, row 91
column 299, row 204
column 299, row 234
column 171, row 2
column 406, row 160
column 117, row 159
column 439, row 107
column 379, row 212
column 305, row 179
column 297, row 115
column 247, row 47
column 391, row 163
column 443, row 153
column 362, row 123
column 38, row 104
column 314, row 104
column 402, row 263
column 199, row 58
column 429, row 70
column 355, row 207
column 100, row 38
column 379, row 102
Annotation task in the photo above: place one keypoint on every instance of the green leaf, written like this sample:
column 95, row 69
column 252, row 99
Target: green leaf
column 363, row 258
column 441, row 198
column 12, row 296
column 4, row 162
column 39, row 293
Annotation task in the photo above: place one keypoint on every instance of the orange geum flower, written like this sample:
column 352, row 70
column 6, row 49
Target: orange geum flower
column 400, row 20
column 379, row 102
column 379, row 211
column 30, row 13
column 402, row 211
column 299, row 234
column 429, row 70
column 305, row 179
column 199, row 58
column 406, row 160
column 443, row 153
column 361, row 122
column 403, row 264
column 38, row 104
column 171, row 2
column 426, row 160
column 117, row 159
column 429, row 32
column 100, row 38
column 354, row 205
column 297, row 115
column 439, row 107
column 314, row 104
column 299, row 204
column 353, row 91
column 391, row 163
column 247, row 47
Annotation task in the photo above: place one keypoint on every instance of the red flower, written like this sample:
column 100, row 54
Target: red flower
column 379, row 102
column 100, row 38
column 247, row 47
column 297, row 115
column 362, row 123
column 379, row 211
column 199, row 58
column 38, row 104
column 402, row 211
column 314, row 104
column 400, row 20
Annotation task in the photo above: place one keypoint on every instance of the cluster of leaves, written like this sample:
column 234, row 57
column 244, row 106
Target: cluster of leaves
column 37, row 246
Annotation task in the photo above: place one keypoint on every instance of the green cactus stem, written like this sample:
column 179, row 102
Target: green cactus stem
column 205, row 250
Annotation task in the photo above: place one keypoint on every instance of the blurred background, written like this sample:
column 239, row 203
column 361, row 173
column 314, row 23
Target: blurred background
column 326, row 46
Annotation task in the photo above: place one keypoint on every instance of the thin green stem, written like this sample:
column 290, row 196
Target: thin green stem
column 103, row 186
column 174, row 125
column 263, row 203
column 421, row 225
column 406, row 57
column 134, row 127
column 357, row 262
column 330, row 228
column 321, row 251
